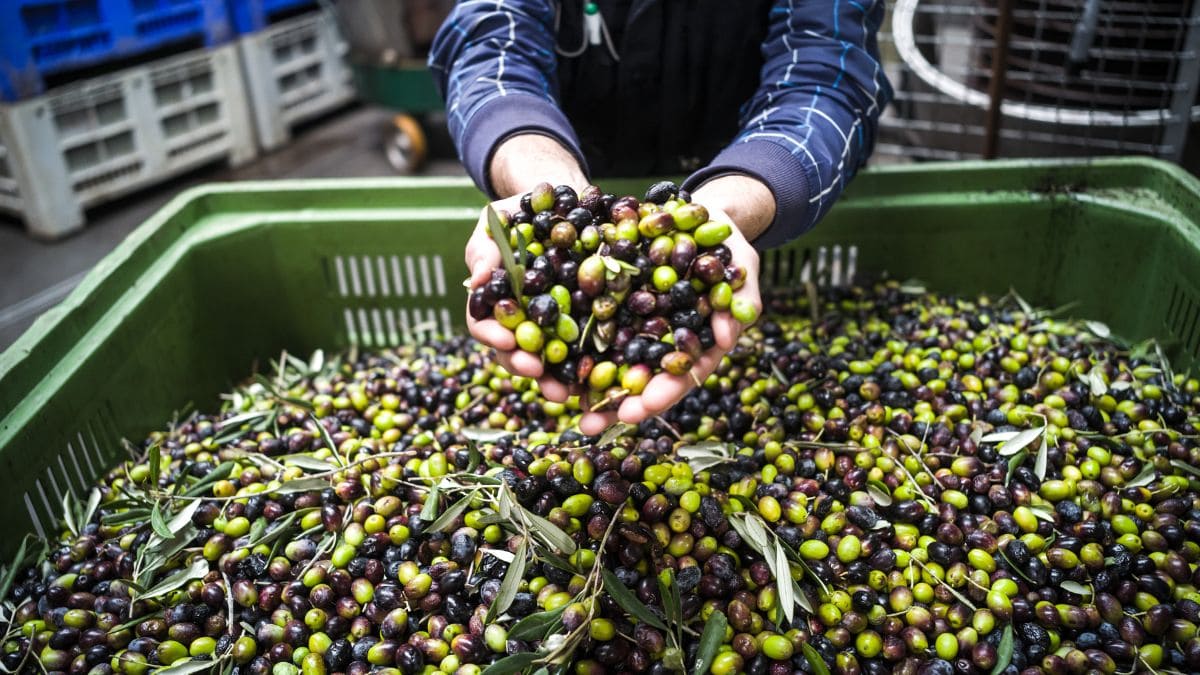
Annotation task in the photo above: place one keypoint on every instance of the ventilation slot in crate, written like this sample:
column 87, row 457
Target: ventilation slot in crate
column 389, row 276
column 1182, row 321
column 72, row 472
column 825, row 266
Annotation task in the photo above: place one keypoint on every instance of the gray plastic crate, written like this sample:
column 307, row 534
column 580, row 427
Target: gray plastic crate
column 295, row 70
column 98, row 139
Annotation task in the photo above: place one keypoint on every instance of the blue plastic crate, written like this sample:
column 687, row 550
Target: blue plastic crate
column 44, row 38
column 250, row 16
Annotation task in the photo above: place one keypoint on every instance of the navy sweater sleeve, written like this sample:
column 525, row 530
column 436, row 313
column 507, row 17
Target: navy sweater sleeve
column 811, row 124
column 494, row 64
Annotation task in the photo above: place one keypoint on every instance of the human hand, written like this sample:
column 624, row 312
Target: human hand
column 665, row 390
column 482, row 257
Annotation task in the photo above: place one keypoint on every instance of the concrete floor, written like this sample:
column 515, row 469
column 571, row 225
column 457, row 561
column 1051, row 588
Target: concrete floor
column 35, row 275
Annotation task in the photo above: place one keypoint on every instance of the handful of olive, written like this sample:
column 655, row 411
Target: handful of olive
column 608, row 290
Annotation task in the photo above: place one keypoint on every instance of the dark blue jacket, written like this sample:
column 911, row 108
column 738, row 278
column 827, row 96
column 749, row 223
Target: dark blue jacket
column 788, row 91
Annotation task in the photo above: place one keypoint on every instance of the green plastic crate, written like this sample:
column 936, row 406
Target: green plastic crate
column 227, row 276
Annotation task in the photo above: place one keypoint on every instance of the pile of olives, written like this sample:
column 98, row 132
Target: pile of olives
column 956, row 486
column 613, row 290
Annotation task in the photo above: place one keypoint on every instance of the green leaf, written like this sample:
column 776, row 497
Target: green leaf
column 1013, row 463
column 511, row 583
column 550, row 533
column 475, row 457
column 611, row 434
column 516, row 275
column 155, row 463
column 429, row 509
column 159, row 523
column 1043, row 457
column 535, row 626
column 672, row 603
column 1076, row 588
column 1145, row 477
column 629, row 602
column 879, row 493
column 183, row 518
column 268, row 536
column 198, row 569
column 306, row 462
column 1005, row 651
column 221, row 472
column 1016, row 443
column 710, row 641
column 1185, row 467
column 328, row 440
column 301, row 485
column 450, row 514
column 480, row 435
column 10, row 572
column 89, row 511
column 818, row 665
column 512, row 664
column 188, row 667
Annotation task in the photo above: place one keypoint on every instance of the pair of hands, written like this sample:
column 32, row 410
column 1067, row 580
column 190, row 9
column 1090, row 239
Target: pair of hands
column 663, row 390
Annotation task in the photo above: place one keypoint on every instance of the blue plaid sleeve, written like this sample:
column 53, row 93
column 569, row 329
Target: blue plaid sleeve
column 812, row 122
column 494, row 64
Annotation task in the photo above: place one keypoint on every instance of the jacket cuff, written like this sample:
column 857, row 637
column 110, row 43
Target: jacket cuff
column 506, row 116
column 781, row 171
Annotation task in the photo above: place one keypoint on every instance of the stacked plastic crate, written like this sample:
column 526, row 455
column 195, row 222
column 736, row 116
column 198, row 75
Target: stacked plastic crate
column 294, row 63
column 170, row 98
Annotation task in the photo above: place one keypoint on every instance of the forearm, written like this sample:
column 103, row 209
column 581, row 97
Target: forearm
column 745, row 199
column 524, row 160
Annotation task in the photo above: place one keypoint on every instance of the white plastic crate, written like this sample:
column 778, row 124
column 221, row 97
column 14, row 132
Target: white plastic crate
column 295, row 70
column 98, row 139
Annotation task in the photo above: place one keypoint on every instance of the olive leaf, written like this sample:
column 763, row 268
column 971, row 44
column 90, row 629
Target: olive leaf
column 512, row 581
column 1185, row 467
column 328, row 440
column 535, row 626
column 474, row 456
column 188, row 667
column 1095, row 382
column 69, row 514
column 158, row 523
column 1145, row 477
column 1043, row 457
column 1014, row 462
column 879, row 492
column 1011, row 445
column 548, row 531
column 672, row 603
column 183, row 518
column 221, row 472
column 155, row 456
column 629, row 602
column 18, row 563
column 516, row 273
column 710, row 642
column 301, row 485
column 499, row 553
column 514, row 663
column 706, row 454
column 450, row 514
column 89, row 511
column 784, row 583
column 306, row 462
column 1044, row 512
column 818, row 665
column 316, row 362
column 1004, row 652
column 1098, row 329
column 611, row 434
column 1013, row 566
column 198, row 569
column 429, row 509
column 1076, row 588
column 268, row 536
column 480, row 435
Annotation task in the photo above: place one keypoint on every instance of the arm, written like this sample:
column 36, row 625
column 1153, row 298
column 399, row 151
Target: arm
column 495, row 65
column 812, row 122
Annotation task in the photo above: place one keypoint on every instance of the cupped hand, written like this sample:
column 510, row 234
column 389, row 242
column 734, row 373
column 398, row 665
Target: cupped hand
column 665, row 390
column 482, row 256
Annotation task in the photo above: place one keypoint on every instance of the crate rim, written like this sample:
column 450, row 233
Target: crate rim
column 51, row 320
